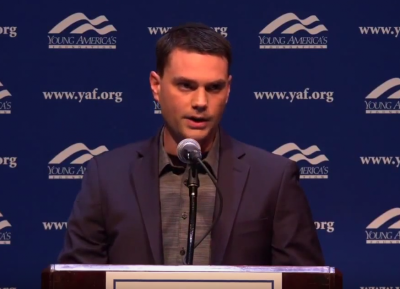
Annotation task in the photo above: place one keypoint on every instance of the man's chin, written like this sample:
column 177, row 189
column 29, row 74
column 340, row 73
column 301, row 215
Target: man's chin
column 201, row 136
column 197, row 134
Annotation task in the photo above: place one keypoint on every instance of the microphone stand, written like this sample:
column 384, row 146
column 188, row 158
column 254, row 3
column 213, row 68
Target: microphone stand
column 192, row 183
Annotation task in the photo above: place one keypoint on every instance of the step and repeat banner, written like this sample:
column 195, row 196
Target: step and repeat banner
column 316, row 82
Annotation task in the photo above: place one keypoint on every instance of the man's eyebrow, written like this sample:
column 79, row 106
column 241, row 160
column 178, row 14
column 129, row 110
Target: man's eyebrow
column 182, row 79
column 185, row 79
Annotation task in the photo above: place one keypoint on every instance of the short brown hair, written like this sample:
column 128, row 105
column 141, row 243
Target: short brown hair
column 192, row 37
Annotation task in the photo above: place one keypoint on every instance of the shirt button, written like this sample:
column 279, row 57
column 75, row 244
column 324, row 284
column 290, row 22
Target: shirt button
column 184, row 216
column 182, row 252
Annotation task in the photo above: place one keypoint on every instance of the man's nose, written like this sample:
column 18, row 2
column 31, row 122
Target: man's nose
column 200, row 100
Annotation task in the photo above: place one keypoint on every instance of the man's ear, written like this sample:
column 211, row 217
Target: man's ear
column 228, row 88
column 155, row 85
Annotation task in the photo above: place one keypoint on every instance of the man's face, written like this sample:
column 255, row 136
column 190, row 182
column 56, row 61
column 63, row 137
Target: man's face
column 192, row 93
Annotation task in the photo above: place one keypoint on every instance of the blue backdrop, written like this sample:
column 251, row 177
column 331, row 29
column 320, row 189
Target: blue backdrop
column 317, row 82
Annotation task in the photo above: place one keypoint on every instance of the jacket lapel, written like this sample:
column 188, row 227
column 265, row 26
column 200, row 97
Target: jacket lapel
column 232, row 176
column 146, row 186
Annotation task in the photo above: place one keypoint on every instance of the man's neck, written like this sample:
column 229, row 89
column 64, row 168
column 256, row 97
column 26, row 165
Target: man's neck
column 170, row 144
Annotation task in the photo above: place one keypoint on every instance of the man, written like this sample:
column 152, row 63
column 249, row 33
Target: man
column 133, row 205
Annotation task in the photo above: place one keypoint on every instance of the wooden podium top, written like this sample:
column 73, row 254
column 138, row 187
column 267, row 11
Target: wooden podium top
column 193, row 268
column 76, row 276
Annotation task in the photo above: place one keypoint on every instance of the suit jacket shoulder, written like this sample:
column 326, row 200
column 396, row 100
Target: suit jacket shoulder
column 119, row 155
column 119, row 160
column 261, row 158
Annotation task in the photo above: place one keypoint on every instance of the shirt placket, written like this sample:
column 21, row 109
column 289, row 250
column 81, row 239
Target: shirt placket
column 184, row 219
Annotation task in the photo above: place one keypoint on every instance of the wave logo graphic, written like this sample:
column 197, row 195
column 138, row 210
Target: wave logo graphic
column 283, row 41
column 391, row 235
column 75, row 168
column 5, row 237
column 314, row 170
column 5, row 106
column 391, row 89
column 100, row 41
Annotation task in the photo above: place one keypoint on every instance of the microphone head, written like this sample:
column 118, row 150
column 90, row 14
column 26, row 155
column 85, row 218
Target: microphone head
column 188, row 150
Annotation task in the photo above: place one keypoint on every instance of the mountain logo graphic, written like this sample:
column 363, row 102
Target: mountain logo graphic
column 62, row 171
column 5, row 106
column 100, row 42
column 5, row 237
column 281, row 42
column 391, row 235
column 307, row 172
column 391, row 105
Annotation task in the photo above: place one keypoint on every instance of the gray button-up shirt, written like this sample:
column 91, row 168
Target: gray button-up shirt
column 174, row 196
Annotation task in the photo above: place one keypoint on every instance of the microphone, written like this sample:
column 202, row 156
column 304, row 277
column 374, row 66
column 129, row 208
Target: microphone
column 189, row 151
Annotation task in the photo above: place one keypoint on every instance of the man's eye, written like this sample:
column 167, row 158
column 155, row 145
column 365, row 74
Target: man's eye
column 185, row 85
column 215, row 87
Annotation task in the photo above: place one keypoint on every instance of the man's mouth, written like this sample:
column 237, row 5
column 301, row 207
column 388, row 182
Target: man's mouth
column 195, row 122
column 197, row 119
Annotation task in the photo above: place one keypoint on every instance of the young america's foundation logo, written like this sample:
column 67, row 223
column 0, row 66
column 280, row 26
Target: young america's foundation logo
column 381, row 231
column 60, row 168
column 315, row 171
column 5, row 234
column 384, row 99
column 95, row 38
column 312, row 38
column 5, row 103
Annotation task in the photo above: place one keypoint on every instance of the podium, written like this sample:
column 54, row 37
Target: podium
column 189, row 277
